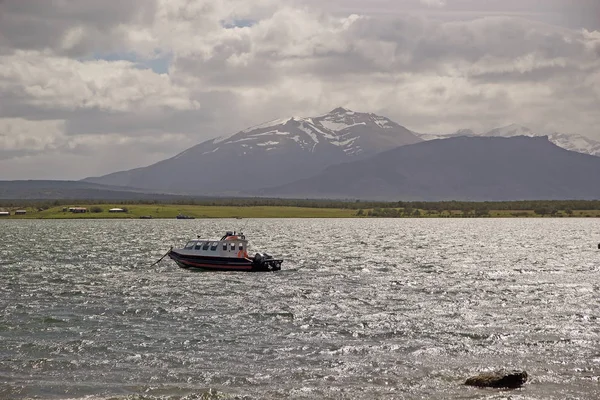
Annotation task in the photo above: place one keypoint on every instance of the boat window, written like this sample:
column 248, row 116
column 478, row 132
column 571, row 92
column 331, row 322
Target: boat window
column 241, row 247
column 198, row 245
column 232, row 246
column 214, row 245
column 190, row 245
column 206, row 245
column 224, row 246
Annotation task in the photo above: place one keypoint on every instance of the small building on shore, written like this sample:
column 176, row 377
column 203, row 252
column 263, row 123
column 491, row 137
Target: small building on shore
column 20, row 212
column 116, row 210
column 4, row 213
column 77, row 210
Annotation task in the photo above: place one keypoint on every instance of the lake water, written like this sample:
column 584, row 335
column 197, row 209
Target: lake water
column 363, row 309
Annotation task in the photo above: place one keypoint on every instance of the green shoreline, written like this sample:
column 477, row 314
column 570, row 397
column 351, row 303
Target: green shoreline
column 171, row 211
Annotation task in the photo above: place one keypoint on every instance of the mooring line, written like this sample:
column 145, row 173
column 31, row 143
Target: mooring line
column 160, row 259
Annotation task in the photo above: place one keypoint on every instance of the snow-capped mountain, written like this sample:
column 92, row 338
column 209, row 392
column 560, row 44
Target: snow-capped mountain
column 573, row 142
column 578, row 143
column 354, row 134
column 272, row 153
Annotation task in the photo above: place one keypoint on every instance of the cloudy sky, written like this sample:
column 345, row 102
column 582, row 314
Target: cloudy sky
column 90, row 87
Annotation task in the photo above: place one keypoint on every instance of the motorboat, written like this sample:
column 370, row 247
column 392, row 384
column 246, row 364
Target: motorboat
column 230, row 253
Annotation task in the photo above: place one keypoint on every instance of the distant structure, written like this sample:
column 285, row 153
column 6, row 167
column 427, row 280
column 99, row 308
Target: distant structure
column 20, row 212
column 116, row 210
column 77, row 210
column 4, row 213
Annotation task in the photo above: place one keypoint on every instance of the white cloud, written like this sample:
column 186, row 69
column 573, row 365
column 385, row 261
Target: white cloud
column 20, row 136
column 428, row 73
column 55, row 82
column 434, row 3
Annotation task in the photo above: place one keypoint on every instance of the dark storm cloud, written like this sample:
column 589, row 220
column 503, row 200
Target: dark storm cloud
column 46, row 24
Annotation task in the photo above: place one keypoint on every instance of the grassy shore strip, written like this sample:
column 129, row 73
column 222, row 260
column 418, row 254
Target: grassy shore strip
column 136, row 211
column 171, row 211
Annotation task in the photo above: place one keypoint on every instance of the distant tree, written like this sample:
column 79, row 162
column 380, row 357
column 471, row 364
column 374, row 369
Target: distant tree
column 542, row 211
column 569, row 212
column 96, row 209
column 482, row 212
column 360, row 212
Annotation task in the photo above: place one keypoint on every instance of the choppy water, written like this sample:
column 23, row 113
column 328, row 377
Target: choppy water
column 364, row 309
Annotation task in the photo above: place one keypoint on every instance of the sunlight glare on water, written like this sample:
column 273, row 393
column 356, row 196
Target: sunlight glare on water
column 363, row 309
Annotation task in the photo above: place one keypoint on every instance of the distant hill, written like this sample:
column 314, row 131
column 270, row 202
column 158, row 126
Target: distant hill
column 270, row 154
column 574, row 142
column 52, row 190
column 459, row 168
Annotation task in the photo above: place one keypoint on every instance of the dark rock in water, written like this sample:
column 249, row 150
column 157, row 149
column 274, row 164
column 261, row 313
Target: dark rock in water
column 498, row 379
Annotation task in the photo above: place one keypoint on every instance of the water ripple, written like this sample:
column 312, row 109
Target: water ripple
column 363, row 309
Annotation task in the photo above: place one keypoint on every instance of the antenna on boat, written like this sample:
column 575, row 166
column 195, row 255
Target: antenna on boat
column 244, row 227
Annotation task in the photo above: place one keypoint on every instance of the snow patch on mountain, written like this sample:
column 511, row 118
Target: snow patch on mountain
column 268, row 124
column 345, row 142
column 267, row 144
column 337, row 126
column 333, row 126
column 309, row 132
column 273, row 132
column 212, row 151
column 241, row 140
column 383, row 122
column 510, row 131
column 327, row 134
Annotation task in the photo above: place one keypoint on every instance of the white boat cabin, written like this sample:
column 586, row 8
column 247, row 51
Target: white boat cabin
column 231, row 245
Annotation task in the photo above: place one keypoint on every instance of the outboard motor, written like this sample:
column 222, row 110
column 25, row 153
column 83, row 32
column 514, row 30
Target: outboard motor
column 266, row 262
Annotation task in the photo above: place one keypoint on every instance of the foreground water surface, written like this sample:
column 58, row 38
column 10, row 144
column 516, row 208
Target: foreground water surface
column 363, row 309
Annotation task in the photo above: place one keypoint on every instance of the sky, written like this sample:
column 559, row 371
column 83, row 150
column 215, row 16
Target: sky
column 89, row 87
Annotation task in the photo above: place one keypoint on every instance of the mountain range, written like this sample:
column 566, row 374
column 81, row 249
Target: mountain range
column 353, row 155
column 270, row 154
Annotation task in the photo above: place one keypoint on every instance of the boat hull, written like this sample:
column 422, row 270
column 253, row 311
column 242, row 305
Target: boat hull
column 205, row 263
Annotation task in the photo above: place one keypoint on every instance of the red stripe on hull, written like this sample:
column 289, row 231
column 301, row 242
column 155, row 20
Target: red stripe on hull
column 212, row 266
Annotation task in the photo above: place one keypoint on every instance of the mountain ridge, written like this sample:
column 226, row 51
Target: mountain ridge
column 573, row 142
column 36, row 189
